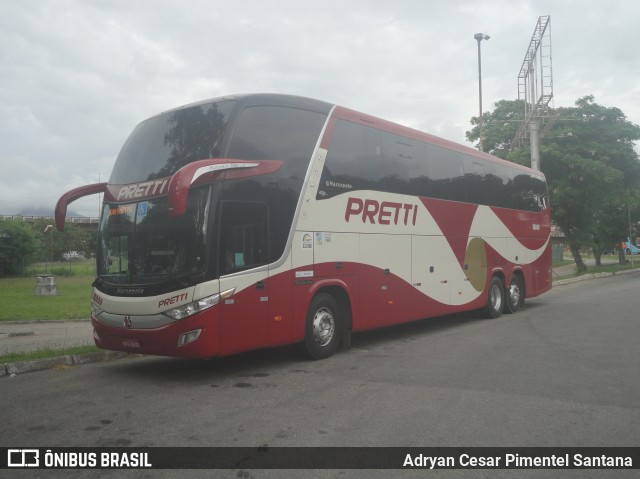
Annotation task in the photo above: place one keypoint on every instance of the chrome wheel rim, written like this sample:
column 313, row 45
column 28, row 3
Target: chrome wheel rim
column 324, row 326
column 514, row 294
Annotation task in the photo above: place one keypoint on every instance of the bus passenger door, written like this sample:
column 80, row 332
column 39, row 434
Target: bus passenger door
column 243, row 259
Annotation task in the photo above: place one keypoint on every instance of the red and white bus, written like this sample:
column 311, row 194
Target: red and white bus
column 261, row 220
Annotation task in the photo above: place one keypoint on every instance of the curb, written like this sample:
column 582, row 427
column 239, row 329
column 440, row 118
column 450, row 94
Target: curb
column 47, row 321
column 20, row 367
column 586, row 277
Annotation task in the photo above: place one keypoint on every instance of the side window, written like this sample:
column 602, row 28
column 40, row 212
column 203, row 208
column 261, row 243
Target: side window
column 243, row 236
column 529, row 193
column 446, row 174
column 480, row 183
column 502, row 180
column 404, row 165
column 540, row 195
column 276, row 133
column 353, row 162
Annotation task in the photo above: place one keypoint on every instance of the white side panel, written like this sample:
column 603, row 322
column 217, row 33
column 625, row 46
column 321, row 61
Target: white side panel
column 392, row 252
column 331, row 247
column 368, row 212
column 302, row 250
column 431, row 267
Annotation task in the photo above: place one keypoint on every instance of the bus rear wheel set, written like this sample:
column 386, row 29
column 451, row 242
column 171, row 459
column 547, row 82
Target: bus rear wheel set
column 501, row 299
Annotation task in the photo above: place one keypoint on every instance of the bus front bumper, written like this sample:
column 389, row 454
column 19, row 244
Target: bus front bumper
column 193, row 337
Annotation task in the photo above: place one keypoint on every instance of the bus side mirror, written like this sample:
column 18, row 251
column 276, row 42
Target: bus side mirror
column 207, row 171
column 71, row 196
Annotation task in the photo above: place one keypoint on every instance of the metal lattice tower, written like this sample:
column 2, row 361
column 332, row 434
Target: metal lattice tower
column 535, row 84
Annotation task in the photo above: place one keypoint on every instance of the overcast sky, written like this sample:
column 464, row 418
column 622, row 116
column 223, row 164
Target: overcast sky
column 77, row 75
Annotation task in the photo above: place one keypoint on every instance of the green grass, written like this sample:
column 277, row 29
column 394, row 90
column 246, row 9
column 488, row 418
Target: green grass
column 72, row 302
column 564, row 262
column 46, row 353
column 613, row 268
column 609, row 268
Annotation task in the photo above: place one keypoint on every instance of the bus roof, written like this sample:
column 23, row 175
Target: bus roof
column 294, row 101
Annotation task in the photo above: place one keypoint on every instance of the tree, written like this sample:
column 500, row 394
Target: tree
column 499, row 127
column 590, row 165
column 17, row 243
column 52, row 244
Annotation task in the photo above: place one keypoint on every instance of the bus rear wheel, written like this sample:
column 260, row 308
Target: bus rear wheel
column 515, row 294
column 496, row 298
column 323, row 327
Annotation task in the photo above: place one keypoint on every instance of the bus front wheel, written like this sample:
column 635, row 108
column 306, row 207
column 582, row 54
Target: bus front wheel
column 323, row 326
column 496, row 298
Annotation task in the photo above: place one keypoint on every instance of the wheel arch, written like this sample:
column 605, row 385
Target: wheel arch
column 497, row 273
column 340, row 291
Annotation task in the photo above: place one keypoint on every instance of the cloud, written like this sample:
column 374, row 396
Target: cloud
column 78, row 76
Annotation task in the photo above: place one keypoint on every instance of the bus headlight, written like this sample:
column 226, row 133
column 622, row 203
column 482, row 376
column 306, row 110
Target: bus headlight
column 194, row 307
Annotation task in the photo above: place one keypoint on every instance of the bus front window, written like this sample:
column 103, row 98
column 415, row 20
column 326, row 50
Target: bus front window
column 141, row 244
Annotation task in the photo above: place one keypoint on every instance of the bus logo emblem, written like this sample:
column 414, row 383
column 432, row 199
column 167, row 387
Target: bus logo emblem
column 127, row 322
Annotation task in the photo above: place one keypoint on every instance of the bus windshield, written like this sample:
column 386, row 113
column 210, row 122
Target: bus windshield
column 140, row 244
column 160, row 146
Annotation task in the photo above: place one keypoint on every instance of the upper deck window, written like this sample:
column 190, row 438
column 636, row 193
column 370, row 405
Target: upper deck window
column 362, row 157
column 354, row 161
column 277, row 133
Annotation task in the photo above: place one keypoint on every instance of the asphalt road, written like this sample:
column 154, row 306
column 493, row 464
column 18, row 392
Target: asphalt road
column 562, row 372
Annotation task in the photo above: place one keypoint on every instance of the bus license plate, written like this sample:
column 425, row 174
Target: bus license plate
column 131, row 343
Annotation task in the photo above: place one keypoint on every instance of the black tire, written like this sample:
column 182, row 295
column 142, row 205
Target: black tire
column 496, row 298
column 515, row 294
column 323, row 327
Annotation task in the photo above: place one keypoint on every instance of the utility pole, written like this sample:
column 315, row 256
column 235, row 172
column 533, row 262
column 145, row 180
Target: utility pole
column 535, row 88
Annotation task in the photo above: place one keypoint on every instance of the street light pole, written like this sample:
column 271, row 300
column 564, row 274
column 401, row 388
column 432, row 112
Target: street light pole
column 479, row 37
column 629, row 218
